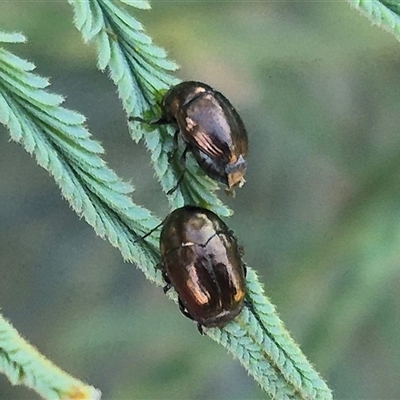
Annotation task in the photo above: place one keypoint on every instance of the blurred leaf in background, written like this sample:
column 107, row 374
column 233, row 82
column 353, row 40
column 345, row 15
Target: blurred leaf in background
column 316, row 85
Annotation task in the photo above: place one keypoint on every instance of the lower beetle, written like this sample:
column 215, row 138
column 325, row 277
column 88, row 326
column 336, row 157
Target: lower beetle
column 211, row 129
column 201, row 259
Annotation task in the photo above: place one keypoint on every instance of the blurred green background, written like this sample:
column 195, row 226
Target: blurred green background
column 318, row 89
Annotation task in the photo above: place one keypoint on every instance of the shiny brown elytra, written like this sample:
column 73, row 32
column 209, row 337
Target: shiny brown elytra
column 200, row 258
column 211, row 129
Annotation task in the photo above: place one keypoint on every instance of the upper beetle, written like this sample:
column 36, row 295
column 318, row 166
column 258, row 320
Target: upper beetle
column 201, row 259
column 211, row 128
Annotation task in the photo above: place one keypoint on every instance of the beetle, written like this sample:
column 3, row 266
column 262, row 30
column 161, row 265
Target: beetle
column 201, row 259
column 211, row 129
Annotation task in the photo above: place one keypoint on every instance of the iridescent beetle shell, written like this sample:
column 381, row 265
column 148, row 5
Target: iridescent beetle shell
column 212, row 129
column 201, row 259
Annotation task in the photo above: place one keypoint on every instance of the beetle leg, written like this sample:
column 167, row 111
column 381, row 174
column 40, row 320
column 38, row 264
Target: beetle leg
column 168, row 286
column 183, row 310
column 183, row 165
column 200, row 328
column 166, row 277
column 230, row 192
column 173, row 152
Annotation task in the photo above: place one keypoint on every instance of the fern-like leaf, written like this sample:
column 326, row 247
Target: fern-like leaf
column 63, row 146
column 257, row 337
column 6, row 37
column 141, row 73
column 383, row 13
column 24, row 365
column 259, row 340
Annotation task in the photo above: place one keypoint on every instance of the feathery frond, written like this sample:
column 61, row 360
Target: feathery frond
column 24, row 365
column 62, row 145
column 142, row 73
column 258, row 338
column 383, row 13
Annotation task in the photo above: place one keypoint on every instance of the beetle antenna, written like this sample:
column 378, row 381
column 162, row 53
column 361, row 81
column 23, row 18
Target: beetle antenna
column 149, row 232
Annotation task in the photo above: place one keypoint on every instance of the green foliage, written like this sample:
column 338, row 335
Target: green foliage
column 384, row 13
column 24, row 365
column 12, row 37
column 140, row 70
column 62, row 145
column 262, row 344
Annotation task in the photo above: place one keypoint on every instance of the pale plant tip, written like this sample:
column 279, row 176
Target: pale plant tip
column 14, row 37
column 82, row 393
